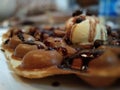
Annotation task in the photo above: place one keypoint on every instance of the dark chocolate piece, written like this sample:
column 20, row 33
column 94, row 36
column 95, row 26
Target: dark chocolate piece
column 98, row 43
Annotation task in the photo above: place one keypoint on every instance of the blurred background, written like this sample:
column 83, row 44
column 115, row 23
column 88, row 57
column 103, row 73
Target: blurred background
column 14, row 12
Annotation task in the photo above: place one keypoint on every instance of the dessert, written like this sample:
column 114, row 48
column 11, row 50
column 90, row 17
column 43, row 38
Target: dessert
column 84, row 30
column 85, row 48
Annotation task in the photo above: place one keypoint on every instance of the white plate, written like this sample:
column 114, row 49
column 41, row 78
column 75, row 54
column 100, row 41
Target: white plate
column 10, row 81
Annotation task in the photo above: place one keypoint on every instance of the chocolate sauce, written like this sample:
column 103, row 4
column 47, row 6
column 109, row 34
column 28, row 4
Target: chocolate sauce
column 20, row 36
column 49, row 32
column 98, row 43
column 47, row 43
column 42, row 36
column 30, row 42
column 11, row 33
column 63, row 50
column 33, row 43
column 85, row 55
column 67, row 40
column 33, row 30
column 92, row 30
column 67, row 61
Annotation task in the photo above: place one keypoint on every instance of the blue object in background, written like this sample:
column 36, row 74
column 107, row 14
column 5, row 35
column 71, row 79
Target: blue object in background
column 109, row 7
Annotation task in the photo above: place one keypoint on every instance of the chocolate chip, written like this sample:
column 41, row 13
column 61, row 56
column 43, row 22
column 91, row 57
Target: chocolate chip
column 67, row 40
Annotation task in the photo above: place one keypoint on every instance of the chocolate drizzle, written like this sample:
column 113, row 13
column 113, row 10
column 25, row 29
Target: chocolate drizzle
column 92, row 31
column 98, row 43
column 30, row 42
column 20, row 36
column 43, row 32
column 85, row 55
column 39, row 46
column 62, row 49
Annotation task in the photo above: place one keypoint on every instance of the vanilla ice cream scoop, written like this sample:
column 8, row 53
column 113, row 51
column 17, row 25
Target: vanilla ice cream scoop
column 85, row 30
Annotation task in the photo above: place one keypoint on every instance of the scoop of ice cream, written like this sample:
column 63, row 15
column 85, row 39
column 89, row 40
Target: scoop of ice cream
column 82, row 30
